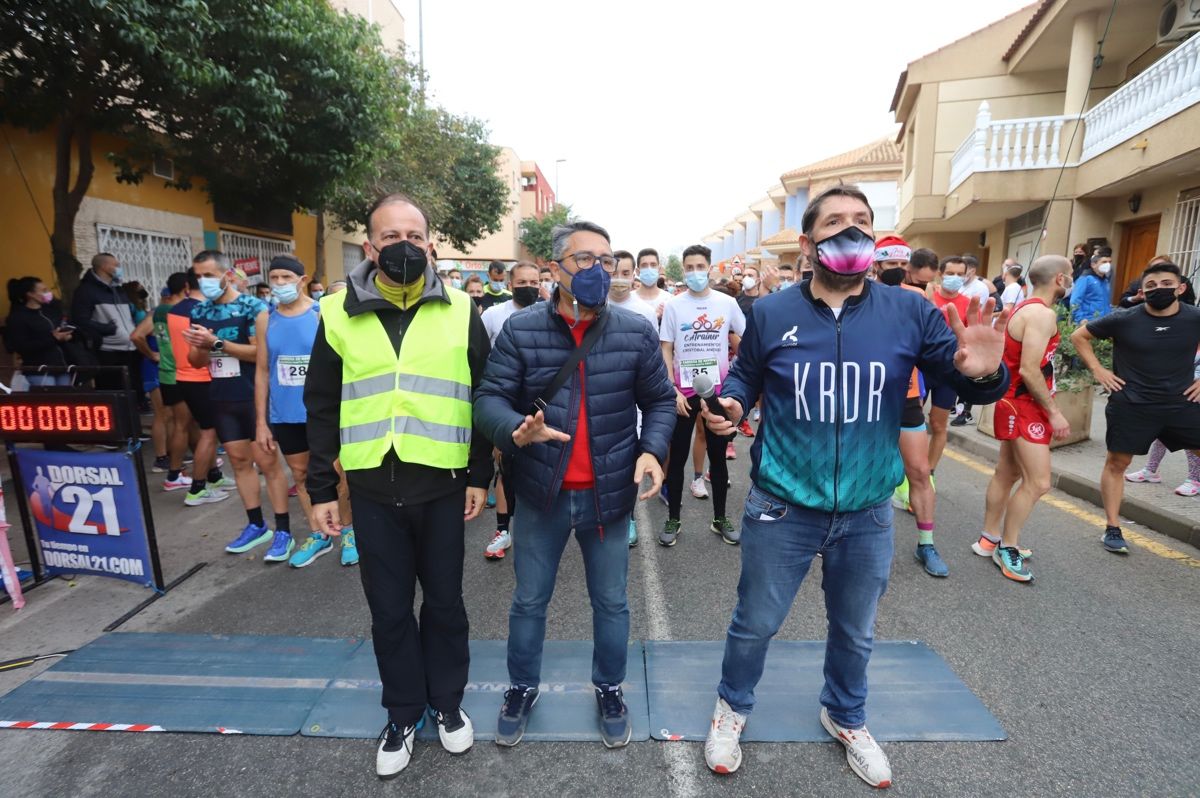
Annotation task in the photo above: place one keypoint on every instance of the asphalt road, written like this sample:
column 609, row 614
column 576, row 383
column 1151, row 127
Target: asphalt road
column 1091, row 669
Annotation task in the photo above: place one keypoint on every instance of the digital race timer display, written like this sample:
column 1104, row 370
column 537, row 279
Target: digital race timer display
column 62, row 417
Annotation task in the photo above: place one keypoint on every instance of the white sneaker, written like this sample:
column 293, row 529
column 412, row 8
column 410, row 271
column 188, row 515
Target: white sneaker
column 1143, row 475
column 722, row 752
column 501, row 541
column 755, row 415
column 1189, row 488
column 183, row 481
column 206, row 496
column 865, row 756
column 698, row 489
column 395, row 750
column 455, row 731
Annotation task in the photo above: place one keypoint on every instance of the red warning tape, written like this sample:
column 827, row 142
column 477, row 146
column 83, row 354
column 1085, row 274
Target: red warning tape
column 60, row 726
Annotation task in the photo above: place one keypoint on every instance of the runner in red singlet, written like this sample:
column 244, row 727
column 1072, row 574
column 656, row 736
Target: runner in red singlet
column 1026, row 419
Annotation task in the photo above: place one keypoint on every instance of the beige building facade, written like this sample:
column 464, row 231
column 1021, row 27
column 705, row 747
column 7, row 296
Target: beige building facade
column 1014, row 145
column 768, row 232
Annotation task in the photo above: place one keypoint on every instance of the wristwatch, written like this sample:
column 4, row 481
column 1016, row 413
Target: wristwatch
column 218, row 346
column 995, row 375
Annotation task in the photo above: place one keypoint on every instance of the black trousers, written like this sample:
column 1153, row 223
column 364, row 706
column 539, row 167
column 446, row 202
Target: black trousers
column 426, row 663
column 681, row 454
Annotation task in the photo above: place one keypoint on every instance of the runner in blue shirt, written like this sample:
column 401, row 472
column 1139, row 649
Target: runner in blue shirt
column 222, row 339
column 281, row 368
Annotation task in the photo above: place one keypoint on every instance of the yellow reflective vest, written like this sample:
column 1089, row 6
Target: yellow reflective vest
column 418, row 403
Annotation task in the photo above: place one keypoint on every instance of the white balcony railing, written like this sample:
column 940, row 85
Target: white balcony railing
column 1167, row 87
column 1007, row 144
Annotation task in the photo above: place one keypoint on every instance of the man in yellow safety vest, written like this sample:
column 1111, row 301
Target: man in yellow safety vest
column 388, row 393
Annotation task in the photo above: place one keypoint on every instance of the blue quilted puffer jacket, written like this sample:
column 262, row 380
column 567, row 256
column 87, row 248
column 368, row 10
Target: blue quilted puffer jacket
column 623, row 370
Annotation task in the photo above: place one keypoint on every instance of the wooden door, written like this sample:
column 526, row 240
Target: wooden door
column 1139, row 240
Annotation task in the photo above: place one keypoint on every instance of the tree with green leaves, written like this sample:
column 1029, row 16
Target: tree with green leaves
column 674, row 269
column 535, row 233
column 268, row 102
column 443, row 161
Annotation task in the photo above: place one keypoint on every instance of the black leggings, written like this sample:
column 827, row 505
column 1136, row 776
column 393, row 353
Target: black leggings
column 681, row 453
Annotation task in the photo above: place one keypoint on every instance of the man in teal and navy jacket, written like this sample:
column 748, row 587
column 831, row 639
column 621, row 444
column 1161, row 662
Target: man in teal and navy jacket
column 831, row 361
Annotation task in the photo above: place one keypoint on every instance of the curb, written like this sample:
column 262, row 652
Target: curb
column 1179, row 527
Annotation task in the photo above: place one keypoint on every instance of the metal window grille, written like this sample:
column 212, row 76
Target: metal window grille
column 240, row 246
column 351, row 256
column 1185, row 233
column 144, row 255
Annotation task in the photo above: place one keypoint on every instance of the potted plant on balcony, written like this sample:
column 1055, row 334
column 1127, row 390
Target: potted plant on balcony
column 1074, row 384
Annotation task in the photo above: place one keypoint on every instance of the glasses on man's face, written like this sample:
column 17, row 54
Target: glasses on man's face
column 586, row 260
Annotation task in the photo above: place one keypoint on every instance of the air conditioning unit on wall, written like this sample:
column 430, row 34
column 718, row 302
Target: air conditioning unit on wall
column 1178, row 20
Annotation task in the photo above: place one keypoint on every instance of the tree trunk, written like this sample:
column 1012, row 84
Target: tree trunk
column 319, row 266
column 67, row 199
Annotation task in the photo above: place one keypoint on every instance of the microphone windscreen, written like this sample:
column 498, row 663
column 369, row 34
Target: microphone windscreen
column 702, row 384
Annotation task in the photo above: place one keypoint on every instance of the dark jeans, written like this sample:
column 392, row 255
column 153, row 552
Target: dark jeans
column 681, row 454
column 539, row 537
column 426, row 664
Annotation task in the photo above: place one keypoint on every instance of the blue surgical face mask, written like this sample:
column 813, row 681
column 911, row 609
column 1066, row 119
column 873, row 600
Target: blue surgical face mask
column 456, row 282
column 318, row 294
column 497, row 286
column 211, row 287
column 696, row 281
column 952, row 283
column 784, row 284
column 118, row 273
column 648, row 277
column 590, row 286
column 285, row 294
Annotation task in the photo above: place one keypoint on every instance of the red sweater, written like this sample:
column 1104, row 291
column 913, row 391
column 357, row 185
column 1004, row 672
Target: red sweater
column 579, row 474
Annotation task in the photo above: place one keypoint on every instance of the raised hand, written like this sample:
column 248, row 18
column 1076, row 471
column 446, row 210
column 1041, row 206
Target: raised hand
column 981, row 344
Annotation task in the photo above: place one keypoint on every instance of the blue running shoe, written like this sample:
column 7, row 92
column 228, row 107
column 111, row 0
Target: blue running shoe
column 633, row 537
column 311, row 549
column 928, row 556
column 514, row 715
column 615, row 728
column 281, row 547
column 349, row 547
column 1114, row 541
column 491, row 499
column 251, row 536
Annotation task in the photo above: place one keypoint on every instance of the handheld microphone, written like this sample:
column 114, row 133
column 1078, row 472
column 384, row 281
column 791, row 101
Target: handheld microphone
column 702, row 384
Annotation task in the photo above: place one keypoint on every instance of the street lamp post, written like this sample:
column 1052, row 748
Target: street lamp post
column 556, row 163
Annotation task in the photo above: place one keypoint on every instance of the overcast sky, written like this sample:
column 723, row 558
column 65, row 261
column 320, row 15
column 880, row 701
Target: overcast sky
column 674, row 116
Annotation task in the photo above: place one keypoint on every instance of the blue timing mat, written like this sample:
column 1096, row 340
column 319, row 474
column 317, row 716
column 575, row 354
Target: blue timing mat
column 566, row 709
column 913, row 694
column 183, row 683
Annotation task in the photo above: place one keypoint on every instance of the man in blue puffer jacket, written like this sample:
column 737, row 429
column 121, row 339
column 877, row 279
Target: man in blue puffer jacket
column 577, row 462
column 831, row 361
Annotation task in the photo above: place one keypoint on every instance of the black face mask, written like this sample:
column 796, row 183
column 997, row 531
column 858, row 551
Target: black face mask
column 478, row 301
column 404, row 262
column 525, row 295
column 1160, row 298
column 893, row 276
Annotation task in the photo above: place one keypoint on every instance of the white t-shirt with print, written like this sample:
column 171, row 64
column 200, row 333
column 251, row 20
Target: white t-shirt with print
column 699, row 329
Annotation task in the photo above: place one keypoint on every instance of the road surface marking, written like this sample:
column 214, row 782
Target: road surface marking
column 683, row 775
column 1150, row 545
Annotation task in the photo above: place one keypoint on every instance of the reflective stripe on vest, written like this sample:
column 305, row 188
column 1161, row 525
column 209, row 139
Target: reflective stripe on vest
column 418, row 403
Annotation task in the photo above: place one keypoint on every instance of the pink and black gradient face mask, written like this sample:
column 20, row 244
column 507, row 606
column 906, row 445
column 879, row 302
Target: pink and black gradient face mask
column 851, row 251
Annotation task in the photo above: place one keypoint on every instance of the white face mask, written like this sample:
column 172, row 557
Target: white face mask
column 1104, row 268
column 749, row 282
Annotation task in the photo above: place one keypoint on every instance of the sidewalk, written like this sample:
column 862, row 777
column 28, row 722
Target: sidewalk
column 1076, row 470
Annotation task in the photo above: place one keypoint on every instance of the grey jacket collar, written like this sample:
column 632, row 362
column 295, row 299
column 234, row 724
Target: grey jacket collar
column 364, row 297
